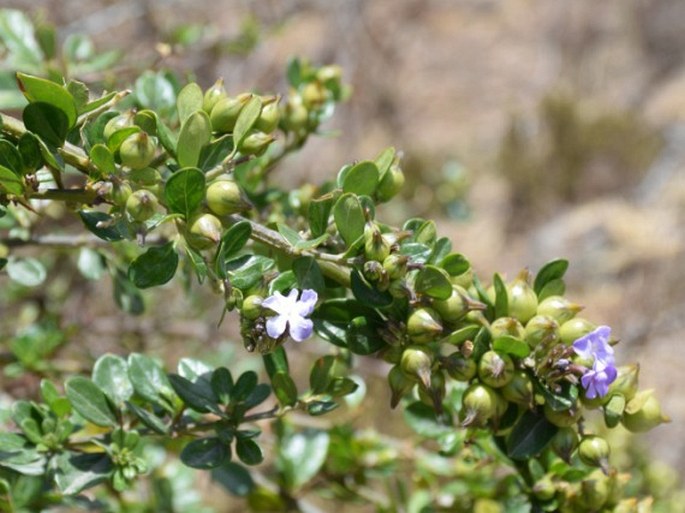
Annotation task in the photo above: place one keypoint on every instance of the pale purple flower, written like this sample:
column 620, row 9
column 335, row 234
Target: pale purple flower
column 595, row 346
column 596, row 381
column 292, row 314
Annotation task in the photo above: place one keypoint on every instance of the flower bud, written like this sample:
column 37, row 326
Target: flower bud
column 269, row 117
column 564, row 442
column 523, row 302
column 572, row 330
column 252, row 307
column 457, row 305
column 375, row 245
column 137, row 150
column 594, row 451
column 416, row 362
column 594, row 491
column 643, row 413
column 204, row 231
column 373, row 271
column 123, row 120
column 226, row 111
column 626, row 381
column 313, row 95
column 224, row 197
column 295, row 114
column 395, row 265
column 255, row 143
column 495, row 369
column 477, row 405
column 120, row 193
column 558, row 308
column 460, row 368
column 141, row 205
column 390, row 184
column 213, row 95
column 541, row 329
column 544, row 489
column 563, row 418
column 519, row 389
column 424, row 325
column 435, row 393
column 506, row 326
column 400, row 385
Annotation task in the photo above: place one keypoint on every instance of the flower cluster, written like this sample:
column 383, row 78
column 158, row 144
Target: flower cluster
column 595, row 346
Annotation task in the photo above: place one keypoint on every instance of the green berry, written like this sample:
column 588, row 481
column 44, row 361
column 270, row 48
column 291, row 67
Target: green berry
column 416, row 362
column 224, row 197
column 477, row 405
column 558, row 308
column 213, row 95
column 523, row 302
column 575, row 328
column 541, row 329
column 506, row 326
column 594, row 451
column 424, row 325
column 124, row 120
column 495, row 369
column 226, row 111
column 204, row 231
column 269, row 117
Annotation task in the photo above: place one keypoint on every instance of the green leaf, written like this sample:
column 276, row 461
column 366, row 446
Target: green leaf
column 361, row 179
column 185, row 190
column 529, row 436
column 284, row 388
column 11, row 158
column 462, row 335
column 189, row 101
column 18, row 36
column 110, row 373
column 384, row 160
column 149, row 380
column 222, row 384
column 423, row 420
column 426, row 233
column 118, row 137
column 319, row 211
column 320, row 376
column 613, row 410
column 215, row 152
column 234, row 239
column 155, row 91
column 511, row 345
column 196, row 132
column 362, row 337
column 126, row 294
column 553, row 270
column 276, row 361
column 28, row 272
column 248, row 270
column 29, row 149
column 366, row 293
column 46, row 121
column 102, row 225
column 199, row 264
column 103, row 159
column 199, row 398
column 561, row 401
column 552, row 288
column 301, row 456
column 79, row 92
column 10, row 182
column 308, row 273
column 501, row 297
column 246, row 384
column 455, row 264
column 98, row 102
column 149, row 419
column 246, row 119
column 205, row 453
column 90, row 402
column 316, row 408
column 77, row 472
column 38, row 89
column 154, row 267
column 434, row 282
column 248, row 451
column 235, row 478
column 91, row 264
column 349, row 218
column 193, row 369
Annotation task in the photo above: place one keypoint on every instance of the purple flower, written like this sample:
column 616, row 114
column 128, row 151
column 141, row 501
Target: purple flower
column 292, row 314
column 596, row 381
column 595, row 346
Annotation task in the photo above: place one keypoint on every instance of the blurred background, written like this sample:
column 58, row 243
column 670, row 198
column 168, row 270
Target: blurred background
column 531, row 129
